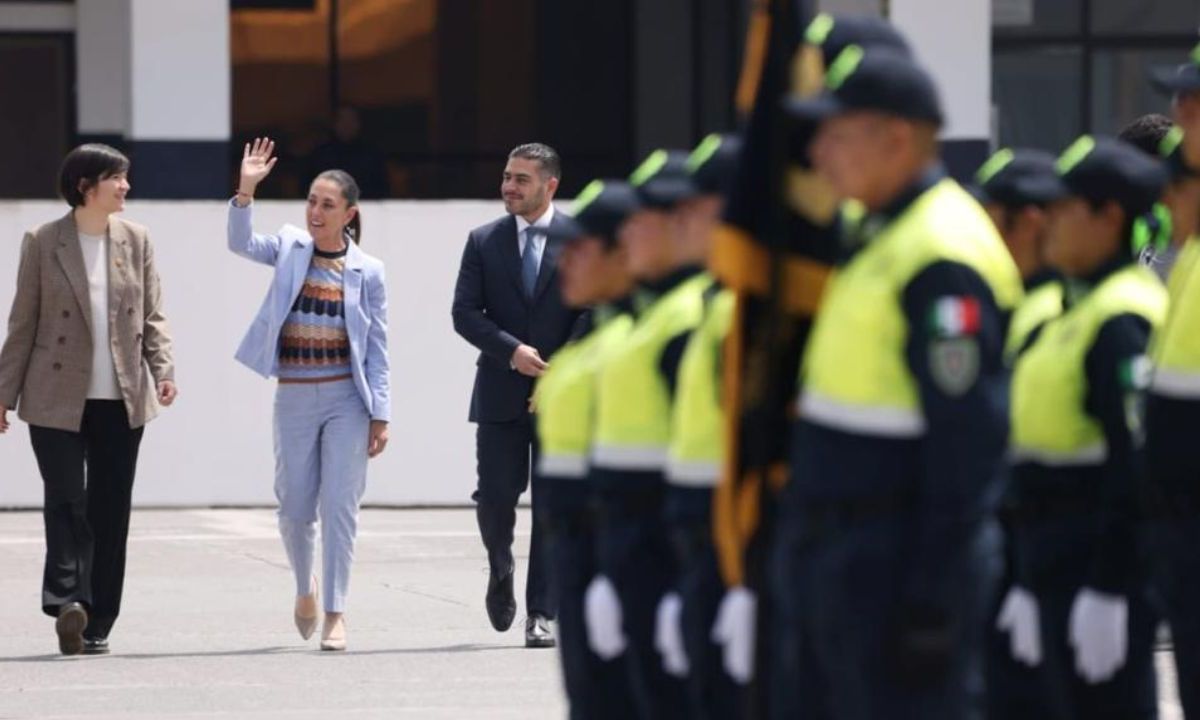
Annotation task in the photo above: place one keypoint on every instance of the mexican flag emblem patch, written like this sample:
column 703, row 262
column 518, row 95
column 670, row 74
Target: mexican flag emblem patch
column 954, row 317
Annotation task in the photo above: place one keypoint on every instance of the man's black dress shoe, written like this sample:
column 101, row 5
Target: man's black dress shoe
column 537, row 632
column 95, row 646
column 501, row 605
column 72, row 619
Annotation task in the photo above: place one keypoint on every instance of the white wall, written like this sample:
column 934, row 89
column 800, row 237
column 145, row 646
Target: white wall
column 953, row 40
column 214, row 445
column 179, row 61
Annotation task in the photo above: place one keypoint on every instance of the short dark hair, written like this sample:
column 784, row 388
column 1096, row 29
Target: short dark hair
column 1147, row 132
column 85, row 166
column 350, row 193
column 546, row 157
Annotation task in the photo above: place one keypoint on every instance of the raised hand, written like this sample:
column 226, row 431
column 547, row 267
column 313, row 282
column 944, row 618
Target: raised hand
column 257, row 161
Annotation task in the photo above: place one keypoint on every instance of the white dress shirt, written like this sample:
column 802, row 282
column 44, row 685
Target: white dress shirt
column 102, row 385
column 539, row 239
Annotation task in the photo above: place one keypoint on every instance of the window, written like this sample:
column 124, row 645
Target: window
column 1065, row 67
column 1037, row 93
column 424, row 98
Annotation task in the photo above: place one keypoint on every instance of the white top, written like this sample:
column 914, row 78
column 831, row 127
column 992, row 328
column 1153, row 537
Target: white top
column 102, row 384
column 539, row 240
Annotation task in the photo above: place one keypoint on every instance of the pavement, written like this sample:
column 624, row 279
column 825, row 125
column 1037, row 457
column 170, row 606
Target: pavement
column 206, row 628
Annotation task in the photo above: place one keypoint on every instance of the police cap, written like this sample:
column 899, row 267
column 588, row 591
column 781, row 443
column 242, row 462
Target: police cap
column 1016, row 178
column 875, row 80
column 1100, row 170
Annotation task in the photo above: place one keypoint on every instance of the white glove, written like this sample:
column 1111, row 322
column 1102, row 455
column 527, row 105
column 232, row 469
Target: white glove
column 1020, row 619
column 1098, row 630
column 734, row 631
column 602, row 614
column 668, row 635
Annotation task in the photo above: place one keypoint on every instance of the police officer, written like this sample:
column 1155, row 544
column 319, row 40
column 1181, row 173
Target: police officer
column 742, row 514
column 1077, row 431
column 632, row 435
column 1171, row 221
column 897, row 456
column 593, row 274
column 1173, row 413
column 695, row 454
column 1015, row 187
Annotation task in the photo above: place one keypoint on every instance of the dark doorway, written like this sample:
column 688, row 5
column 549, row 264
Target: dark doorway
column 37, row 117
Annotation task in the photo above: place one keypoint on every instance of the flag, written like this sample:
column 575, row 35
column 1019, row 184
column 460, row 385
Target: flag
column 775, row 254
column 776, row 259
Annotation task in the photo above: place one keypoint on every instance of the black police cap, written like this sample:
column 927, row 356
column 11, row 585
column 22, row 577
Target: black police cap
column 1016, row 178
column 875, row 80
column 713, row 164
column 833, row 34
column 1100, row 170
column 1170, row 149
column 1183, row 78
column 662, row 180
column 598, row 211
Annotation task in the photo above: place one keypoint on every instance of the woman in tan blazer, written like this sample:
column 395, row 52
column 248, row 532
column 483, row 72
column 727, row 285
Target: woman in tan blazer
column 87, row 361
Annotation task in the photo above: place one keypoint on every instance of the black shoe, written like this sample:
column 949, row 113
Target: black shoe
column 537, row 632
column 72, row 619
column 501, row 605
column 95, row 646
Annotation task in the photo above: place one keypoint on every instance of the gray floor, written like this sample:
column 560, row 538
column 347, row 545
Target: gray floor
column 206, row 629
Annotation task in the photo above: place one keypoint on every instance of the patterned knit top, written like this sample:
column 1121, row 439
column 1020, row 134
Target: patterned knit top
column 313, row 344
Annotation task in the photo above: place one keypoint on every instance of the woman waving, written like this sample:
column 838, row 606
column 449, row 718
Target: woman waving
column 322, row 331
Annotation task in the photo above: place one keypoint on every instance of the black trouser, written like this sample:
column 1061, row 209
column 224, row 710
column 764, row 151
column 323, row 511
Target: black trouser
column 1059, row 548
column 837, row 586
column 504, row 453
column 711, row 692
column 596, row 689
column 88, row 481
column 633, row 551
column 1015, row 691
column 1174, row 543
column 1173, row 474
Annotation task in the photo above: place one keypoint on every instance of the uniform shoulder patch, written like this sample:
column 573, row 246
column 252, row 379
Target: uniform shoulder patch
column 1134, row 373
column 1134, row 377
column 954, row 364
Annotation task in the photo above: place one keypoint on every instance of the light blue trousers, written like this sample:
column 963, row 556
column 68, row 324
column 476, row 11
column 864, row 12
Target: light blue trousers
column 320, row 468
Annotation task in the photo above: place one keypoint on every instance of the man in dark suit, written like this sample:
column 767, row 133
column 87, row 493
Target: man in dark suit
column 507, row 305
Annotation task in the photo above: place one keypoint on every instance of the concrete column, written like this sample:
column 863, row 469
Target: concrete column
column 154, row 78
column 179, row 122
column 102, row 69
column 851, row 7
column 953, row 40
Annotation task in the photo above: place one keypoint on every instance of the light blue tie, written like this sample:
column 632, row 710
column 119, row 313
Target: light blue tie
column 529, row 263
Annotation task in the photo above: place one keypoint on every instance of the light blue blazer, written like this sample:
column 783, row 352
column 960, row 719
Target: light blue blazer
column 290, row 253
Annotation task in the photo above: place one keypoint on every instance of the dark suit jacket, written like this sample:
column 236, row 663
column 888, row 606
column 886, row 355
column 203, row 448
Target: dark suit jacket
column 492, row 312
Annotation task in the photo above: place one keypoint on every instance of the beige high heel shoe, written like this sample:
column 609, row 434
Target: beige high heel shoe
column 307, row 624
column 333, row 635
